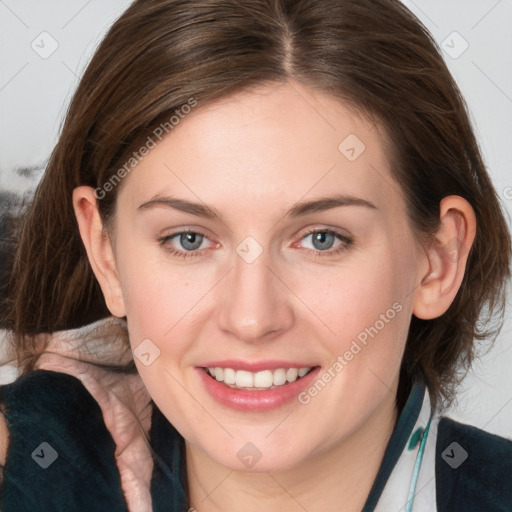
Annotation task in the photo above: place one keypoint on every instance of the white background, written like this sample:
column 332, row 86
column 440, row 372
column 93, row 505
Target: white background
column 34, row 94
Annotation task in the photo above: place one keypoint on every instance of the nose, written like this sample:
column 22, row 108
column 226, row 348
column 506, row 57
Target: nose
column 255, row 304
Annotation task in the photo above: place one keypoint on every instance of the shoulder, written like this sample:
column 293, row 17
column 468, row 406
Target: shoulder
column 50, row 402
column 51, row 397
column 60, row 453
column 473, row 469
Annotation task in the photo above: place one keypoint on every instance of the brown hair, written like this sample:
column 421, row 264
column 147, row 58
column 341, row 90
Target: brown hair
column 374, row 54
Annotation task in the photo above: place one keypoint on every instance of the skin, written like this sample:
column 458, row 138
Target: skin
column 252, row 156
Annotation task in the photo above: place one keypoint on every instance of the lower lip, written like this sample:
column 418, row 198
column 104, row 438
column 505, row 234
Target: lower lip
column 256, row 401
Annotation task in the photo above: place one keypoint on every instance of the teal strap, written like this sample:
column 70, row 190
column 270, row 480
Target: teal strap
column 417, row 465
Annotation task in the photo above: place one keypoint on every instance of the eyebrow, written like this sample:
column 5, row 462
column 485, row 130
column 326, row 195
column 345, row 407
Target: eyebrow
column 297, row 210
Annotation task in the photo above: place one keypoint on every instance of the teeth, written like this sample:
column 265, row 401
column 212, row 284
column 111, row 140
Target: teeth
column 303, row 371
column 263, row 379
column 244, row 379
column 229, row 376
column 266, row 379
column 280, row 377
column 292, row 374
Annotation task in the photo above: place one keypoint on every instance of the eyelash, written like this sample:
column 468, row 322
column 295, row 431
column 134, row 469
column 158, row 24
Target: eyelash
column 347, row 243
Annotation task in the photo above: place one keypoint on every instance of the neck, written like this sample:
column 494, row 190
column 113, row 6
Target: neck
column 336, row 480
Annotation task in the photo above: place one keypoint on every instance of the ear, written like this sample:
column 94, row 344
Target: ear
column 447, row 257
column 99, row 248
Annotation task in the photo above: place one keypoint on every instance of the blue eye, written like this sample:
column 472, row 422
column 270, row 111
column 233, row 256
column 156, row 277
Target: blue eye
column 324, row 238
column 191, row 241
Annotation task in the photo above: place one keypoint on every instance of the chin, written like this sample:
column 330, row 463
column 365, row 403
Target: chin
column 256, row 457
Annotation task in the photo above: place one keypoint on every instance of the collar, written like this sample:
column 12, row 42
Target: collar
column 406, row 478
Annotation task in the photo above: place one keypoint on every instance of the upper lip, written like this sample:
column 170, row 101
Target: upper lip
column 256, row 366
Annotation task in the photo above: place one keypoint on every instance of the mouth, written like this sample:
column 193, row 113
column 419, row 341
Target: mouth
column 257, row 381
column 271, row 384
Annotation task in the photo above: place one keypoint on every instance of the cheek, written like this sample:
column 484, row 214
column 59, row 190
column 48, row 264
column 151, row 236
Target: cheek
column 152, row 288
column 366, row 311
column 163, row 303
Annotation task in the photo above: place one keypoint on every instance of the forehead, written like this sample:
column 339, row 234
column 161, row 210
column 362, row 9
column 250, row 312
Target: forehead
column 271, row 145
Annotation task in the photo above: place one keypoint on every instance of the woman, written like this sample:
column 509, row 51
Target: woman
column 285, row 208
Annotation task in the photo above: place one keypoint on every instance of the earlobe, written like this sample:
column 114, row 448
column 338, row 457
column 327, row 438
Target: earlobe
column 447, row 257
column 99, row 248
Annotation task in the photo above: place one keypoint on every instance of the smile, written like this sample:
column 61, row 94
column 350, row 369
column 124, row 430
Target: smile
column 256, row 381
column 256, row 386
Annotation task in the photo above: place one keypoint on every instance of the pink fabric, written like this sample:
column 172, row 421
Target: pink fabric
column 123, row 399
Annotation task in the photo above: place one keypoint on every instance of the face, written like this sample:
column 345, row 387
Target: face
column 267, row 287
